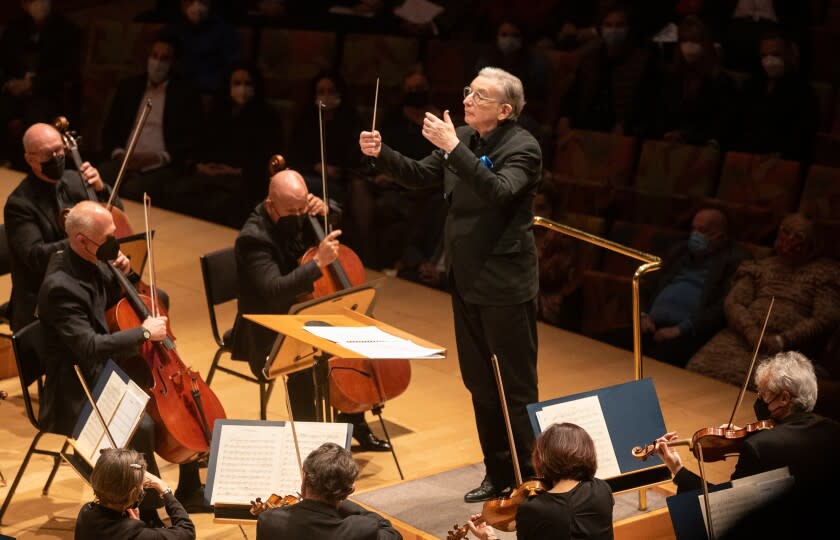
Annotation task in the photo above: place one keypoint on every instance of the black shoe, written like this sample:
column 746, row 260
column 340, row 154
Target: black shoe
column 193, row 502
column 485, row 491
column 371, row 443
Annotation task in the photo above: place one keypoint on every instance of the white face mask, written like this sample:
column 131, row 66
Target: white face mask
column 773, row 65
column 196, row 12
column 691, row 51
column 39, row 10
column 241, row 93
column 158, row 71
column 509, row 44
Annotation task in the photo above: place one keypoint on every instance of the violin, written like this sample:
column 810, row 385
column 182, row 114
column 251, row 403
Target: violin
column 501, row 513
column 356, row 385
column 717, row 443
column 182, row 406
column 259, row 506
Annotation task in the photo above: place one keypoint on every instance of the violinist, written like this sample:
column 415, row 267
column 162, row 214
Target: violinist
column 32, row 211
column 576, row 506
column 271, row 280
column 119, row 481
column 324, row 513
column 803, row 441
column 72, row 303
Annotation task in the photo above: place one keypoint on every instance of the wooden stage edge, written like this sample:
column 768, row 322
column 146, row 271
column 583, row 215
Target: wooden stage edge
column 431, row 424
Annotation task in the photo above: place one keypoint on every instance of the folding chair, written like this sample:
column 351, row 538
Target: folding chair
column 218, row 269
column 28, row 346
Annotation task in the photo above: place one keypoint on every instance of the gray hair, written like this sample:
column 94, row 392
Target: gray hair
column 117, row 478
column 793, row 372
column 512, row 90
column 330, row 472
column 82, row 218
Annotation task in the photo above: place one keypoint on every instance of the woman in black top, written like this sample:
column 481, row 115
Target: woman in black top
column 577, row 506
column 119, row 480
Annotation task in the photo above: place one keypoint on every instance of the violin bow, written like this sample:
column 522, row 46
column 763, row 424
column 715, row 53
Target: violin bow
column 752, row 363
column 292, row 424
column 132, row 142
column 516, row 472
column 321, row 108
column 95, row 406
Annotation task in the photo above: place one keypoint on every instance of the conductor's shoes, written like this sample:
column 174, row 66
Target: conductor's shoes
column 484, row 492
column 371, row 443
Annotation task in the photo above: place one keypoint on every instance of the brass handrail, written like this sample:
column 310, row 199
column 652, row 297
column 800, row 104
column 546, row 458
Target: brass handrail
column 651, row 264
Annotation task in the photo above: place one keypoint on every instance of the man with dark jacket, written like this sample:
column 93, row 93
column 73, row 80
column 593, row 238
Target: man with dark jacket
column 165, row 145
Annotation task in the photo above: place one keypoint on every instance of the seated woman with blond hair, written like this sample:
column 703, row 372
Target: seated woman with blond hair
column 805, row 311
column 119, row 481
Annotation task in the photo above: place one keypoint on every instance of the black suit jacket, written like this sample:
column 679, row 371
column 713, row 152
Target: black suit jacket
column 489, row 245
column 34, row 233
column 71, row 304
column 270, row 281
column 97, row 522
column 318, row 521
column 181, row 117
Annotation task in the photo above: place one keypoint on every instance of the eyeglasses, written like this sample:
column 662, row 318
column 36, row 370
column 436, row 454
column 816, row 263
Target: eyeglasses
column 478, row 97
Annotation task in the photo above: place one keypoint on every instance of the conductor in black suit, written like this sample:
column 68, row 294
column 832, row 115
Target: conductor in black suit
column 490, row 170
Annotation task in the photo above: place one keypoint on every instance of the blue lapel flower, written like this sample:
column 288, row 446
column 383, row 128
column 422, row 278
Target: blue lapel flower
column 486, row 162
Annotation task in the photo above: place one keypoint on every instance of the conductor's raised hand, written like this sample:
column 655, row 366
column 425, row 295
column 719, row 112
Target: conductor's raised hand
column 370, row 142
column 328, row 249
column 440, row 131
column 315, row 206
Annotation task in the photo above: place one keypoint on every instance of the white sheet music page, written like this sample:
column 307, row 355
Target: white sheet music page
column 746, row 494
column 373, row 342
column 587, row 413
column 257, row 460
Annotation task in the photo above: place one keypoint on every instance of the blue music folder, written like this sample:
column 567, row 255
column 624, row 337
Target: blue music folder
column 634, row 418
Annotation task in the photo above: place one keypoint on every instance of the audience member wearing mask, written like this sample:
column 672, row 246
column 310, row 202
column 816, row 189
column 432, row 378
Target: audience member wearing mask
column 615, row 79
column 241, row 134
column 697, row 95
column 682, row 304
column 40, row 75
column 805, row 311
column 780, row 112
column 211, row 46
column 341, row 126
column 386, row 215
column 166, row 144
column 512, row 53
column 574, row 23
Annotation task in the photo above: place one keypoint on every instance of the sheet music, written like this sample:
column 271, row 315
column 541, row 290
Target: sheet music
column 587, row 413
column 730, row 505
column 256, row 460
column 373, row 342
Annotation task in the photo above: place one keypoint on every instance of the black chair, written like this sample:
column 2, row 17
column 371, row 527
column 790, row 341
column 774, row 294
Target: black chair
column 28, row 346
column 218, row 269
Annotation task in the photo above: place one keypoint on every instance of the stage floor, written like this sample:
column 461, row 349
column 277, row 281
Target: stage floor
column 431, row 424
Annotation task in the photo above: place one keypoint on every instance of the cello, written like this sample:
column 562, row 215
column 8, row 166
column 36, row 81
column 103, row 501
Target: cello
column 182, row 406
column 355, row 385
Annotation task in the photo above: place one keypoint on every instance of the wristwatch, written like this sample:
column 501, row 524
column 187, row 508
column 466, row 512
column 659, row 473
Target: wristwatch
column 146, row 334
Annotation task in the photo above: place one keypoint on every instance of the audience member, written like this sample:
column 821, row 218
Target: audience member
column 341, row 124
column 779, row 108
column 241, row 134
column 167, row 142
column 697, row 95
column 119, row 481
column 574, row 23
column 33, row 215
column 383, row 212
column 806, row 308
column 616, row 79
column 576, row 505
column 683, row 301
column 512, row 52
column 211, row 46
column 40, row 52
column 329, row 477
column 801, row 440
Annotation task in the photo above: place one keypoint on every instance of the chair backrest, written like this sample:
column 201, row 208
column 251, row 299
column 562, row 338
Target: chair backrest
column 29, row 347
column 218, row 268
column 5, row 266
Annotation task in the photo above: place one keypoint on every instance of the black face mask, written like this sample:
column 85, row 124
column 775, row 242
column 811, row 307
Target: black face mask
column 109, row 249
column 53, row 168
column 416, row 98
column 289, row 226
column 762, row 409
